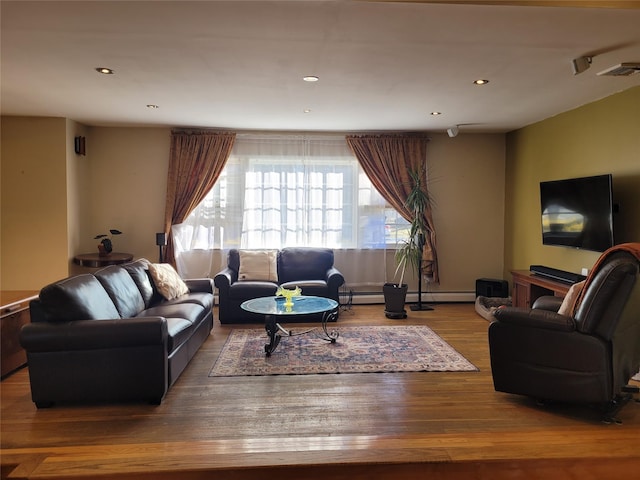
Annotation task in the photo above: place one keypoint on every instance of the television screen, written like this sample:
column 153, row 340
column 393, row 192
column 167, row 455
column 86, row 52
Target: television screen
column 578, row 212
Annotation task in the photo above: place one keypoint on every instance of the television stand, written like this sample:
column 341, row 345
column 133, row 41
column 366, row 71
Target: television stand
column 528, row 287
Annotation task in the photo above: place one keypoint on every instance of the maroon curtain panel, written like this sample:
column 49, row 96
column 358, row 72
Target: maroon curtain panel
column 388, row 160
column 196, row 160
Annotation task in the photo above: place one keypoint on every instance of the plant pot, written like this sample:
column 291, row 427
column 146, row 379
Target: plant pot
column 394, row 300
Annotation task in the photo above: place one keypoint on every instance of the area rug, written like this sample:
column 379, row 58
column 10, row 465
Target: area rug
column 413, row 348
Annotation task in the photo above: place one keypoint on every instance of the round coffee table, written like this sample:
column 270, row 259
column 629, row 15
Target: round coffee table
column 274, row 307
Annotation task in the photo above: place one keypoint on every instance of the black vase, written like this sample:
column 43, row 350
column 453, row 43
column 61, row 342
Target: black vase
column 105, row 247
column 394, row 300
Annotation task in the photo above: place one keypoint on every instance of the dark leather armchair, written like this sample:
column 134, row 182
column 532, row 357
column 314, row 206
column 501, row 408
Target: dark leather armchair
column 309, row 268
column 585, row 357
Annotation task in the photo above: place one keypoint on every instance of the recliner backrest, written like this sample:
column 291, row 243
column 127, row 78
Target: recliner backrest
column 626, row 340
column 606, row 296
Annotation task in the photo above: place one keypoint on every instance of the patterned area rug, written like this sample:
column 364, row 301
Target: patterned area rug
column 357, row 350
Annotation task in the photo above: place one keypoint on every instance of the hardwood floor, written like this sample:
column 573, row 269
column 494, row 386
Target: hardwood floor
column 449, row 425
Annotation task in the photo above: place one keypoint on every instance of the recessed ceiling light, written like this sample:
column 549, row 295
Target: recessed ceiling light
column 481, row 82
column 152, row 106
column 310, row 78
column 105, row 70
column 436, row 113
column 306, row 110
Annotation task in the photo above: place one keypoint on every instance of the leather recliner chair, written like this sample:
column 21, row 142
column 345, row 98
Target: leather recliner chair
column 585, row 357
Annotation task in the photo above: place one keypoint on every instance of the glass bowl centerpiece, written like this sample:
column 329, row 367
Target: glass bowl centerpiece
column 288, row 295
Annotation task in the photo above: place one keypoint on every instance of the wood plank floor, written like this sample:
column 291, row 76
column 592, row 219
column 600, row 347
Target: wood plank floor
column 449, row 425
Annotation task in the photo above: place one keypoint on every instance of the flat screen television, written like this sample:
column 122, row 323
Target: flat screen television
column 578, row 212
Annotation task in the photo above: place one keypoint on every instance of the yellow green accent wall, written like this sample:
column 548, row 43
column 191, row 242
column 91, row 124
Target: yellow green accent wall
column 34, row 241
column 598, row 138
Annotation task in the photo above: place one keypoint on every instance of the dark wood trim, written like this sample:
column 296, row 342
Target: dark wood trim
column 527, row 288
column 14, row 313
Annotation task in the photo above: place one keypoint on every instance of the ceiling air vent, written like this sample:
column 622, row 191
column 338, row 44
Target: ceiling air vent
column 621, row 70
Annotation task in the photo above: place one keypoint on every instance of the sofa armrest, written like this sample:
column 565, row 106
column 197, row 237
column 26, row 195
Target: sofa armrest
column 223, row 279
column 543, row 319
column 94, row 334
column 199, row 285
column 334, row 279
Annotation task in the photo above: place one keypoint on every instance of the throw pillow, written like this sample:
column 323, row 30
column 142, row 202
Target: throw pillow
column 167, row 280
column 570, row 299
column 258, row 265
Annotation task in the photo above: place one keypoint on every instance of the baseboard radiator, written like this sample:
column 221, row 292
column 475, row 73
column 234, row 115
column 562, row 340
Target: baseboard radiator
column 374, row 298
column 366, row 298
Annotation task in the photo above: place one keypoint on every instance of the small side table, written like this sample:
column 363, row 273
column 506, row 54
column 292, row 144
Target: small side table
column 95, row 260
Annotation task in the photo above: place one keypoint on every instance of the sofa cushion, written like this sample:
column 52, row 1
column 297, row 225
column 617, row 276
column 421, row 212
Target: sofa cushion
column 189, row 311
column 247, row 290
column 179, row 331
column 258, row 265
column 304, row 263
column 122, row 289
column 139, row 271
column 81, row 297
column 200, row 298
column 167, row 280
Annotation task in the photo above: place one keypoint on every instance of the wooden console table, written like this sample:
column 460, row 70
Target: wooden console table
column 95, row 260
column 527, row 288
column 14, row 313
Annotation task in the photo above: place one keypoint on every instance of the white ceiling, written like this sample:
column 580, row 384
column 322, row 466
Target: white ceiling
column 239, row 64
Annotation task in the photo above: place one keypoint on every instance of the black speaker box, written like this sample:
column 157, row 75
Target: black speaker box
column 161, row 239
column 491, row 287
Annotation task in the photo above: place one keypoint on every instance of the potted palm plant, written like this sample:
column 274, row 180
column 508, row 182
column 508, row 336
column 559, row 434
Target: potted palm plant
column 409, row 254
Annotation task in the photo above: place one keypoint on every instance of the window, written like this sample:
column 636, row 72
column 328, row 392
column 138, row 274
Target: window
column 278, row 191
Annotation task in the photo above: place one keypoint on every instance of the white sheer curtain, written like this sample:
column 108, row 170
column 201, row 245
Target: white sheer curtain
column 289, row 190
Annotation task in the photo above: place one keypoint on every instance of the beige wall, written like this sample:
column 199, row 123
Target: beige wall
column 128, row 178
column 128, row 183
column 601, row 137
column 34, row 241
column 121, row 183
column 467, row 178
column 54, row 202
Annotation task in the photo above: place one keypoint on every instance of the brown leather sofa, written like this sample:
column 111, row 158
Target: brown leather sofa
column 110, row 336
column 309, row 268
column 586, row 355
